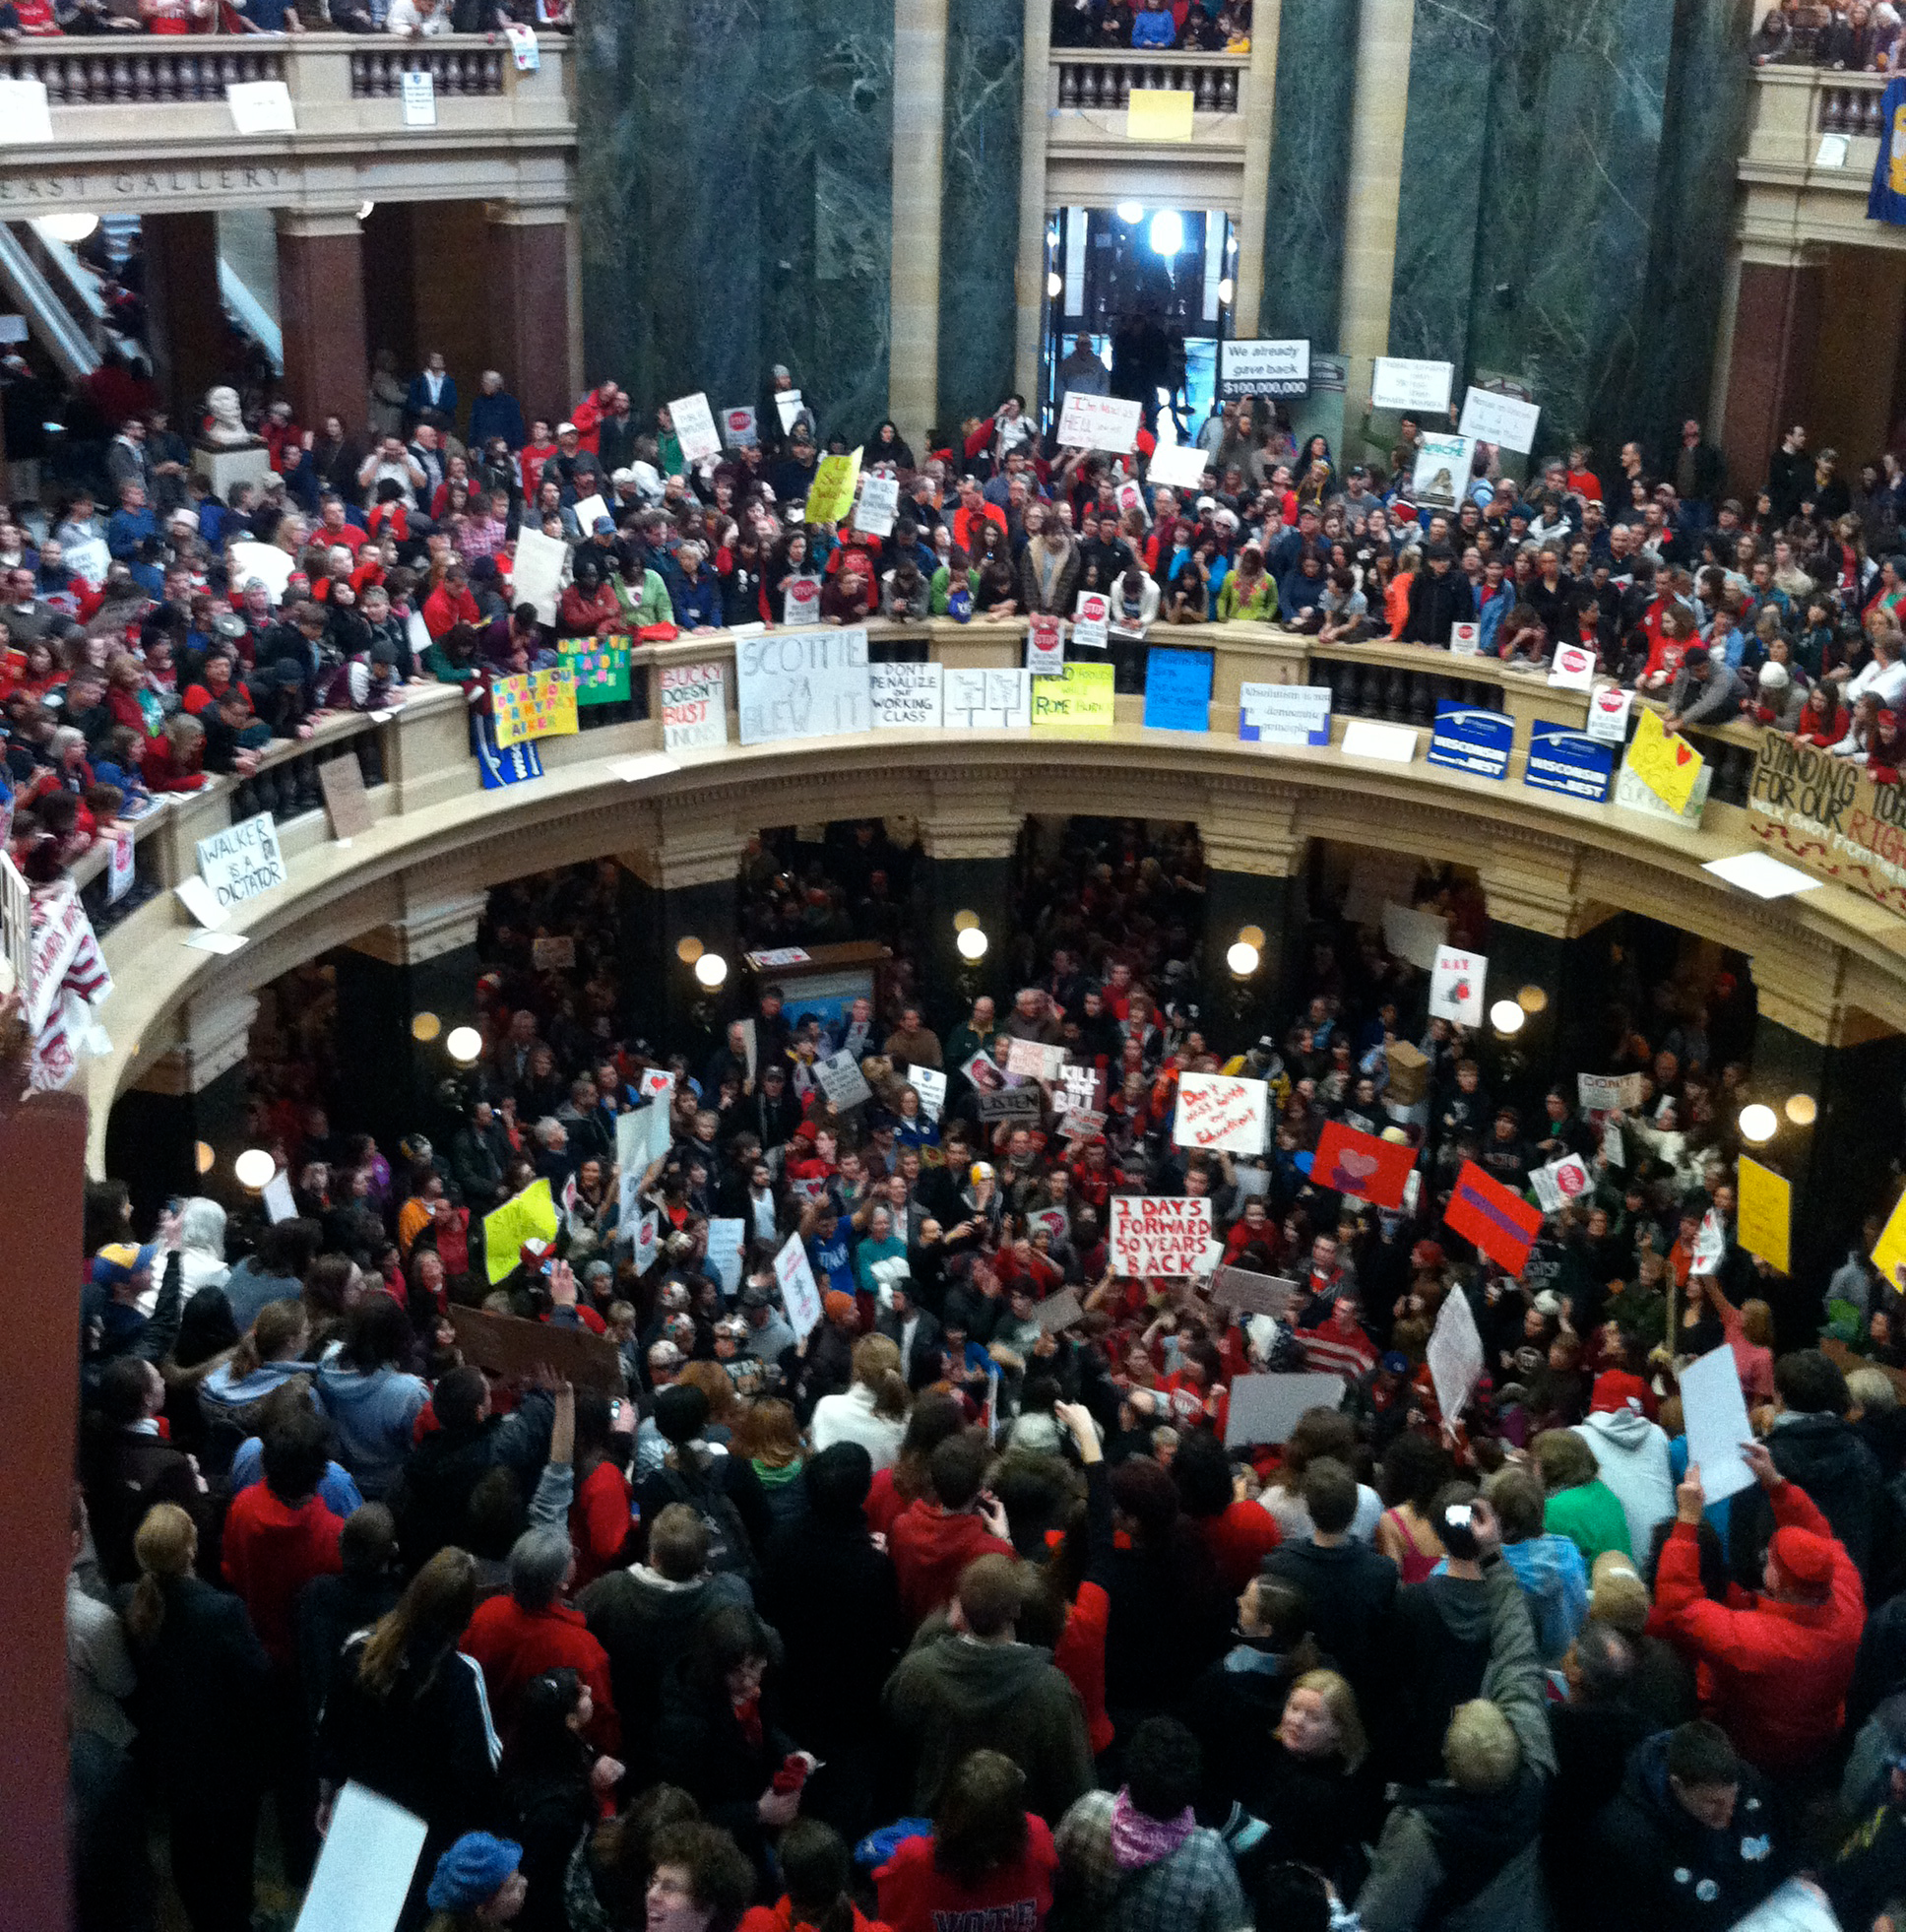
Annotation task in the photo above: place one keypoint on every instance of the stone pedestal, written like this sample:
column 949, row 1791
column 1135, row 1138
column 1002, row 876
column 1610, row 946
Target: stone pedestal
column 225, row 469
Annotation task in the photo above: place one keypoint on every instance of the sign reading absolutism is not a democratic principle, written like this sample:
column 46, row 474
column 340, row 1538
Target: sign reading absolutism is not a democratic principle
column 1825, row 814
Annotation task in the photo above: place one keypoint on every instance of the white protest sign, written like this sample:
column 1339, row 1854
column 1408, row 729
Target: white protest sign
column 1710, row 1245
column 419, row 99
column 1081, row 1091
column 1105, row 422
column 1364, row 738
column 695, row 427
column 1608, row 714
column 261, row 106
column 1268, row 1408
column 1456, row 984
column 240, row 864
column 89, row 560
column 1572, row 669
column 1413, row 935
column 365, row 1866
column 737, row 427
column 1045, row 646
column 879, row 504
column 798, row 1292
column 988, row 700
column 786, row 407
column 1465, row 640
column 1504, row 421
column 694, row 706
column 1091, row 620
column 524, row 49
column 1033, row 1060
column 1398, row 383
column 1608, row 1093
column 906, row 696
column 1263, row 365
column 24, row 116
column 536, row 572
column 1285, row 714
column 279, row 1204
column 1159, row 1234
column 1441, row 472
column 635, row 1152
column 120, row 868
column 646, row 1242
column 587, row 509
column 841, row 1080
column 272, row 567
column 1220, row 1114
column 1714, row 1412
column 1454, row 1354
column 814, row 685
column 1181, row 465
column 800, row 602
column 1612, row 1151
column 725, row 1240
column 930, row 1084
column 656, row 1083
column 1559, row 1182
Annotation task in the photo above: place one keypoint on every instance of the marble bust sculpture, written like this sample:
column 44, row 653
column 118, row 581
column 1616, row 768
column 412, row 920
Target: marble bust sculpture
column 226, row 430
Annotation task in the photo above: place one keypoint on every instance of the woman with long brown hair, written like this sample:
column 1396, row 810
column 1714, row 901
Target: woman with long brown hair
column 408, row 1716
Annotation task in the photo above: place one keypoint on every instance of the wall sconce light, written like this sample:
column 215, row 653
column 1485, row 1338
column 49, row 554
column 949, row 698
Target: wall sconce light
column 255, row 1170
column 465, row 1045
column 1757, row 1122
column 1802, row 1109
column 425, row 1027
column 711, row 969
column 1508, row 1018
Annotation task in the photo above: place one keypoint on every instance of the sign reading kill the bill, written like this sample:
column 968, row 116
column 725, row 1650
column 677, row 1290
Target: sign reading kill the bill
column 1826, row 815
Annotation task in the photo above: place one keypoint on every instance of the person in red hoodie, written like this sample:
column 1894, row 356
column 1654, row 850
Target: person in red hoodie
column 989, row 1861
column 518, row 1636
column 281, row 1533
column 449, row 604
column 1773, row 1674
column 933, row 1539
column 815, row 1868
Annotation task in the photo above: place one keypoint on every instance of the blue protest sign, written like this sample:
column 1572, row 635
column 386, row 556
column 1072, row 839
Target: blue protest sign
column 1178, row 690
column 1468, row 739
column 1570, row 762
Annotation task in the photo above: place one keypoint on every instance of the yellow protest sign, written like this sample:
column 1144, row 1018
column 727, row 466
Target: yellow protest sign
column 831, row 496
column 1667, row 765
column 531, row 1216
column 1766, row 1201
column 1159, row 114
column 533, row 704
column 1079, row 702
column 1890, row 1248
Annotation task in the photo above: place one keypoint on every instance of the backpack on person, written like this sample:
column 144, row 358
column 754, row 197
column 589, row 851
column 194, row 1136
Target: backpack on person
column 729, row 1550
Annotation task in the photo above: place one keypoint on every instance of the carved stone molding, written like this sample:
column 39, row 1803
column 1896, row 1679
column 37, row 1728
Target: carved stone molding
column 427, row 932
column 215, row 1036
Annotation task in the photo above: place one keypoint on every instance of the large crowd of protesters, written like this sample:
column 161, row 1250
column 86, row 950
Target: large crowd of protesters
column 945, row 1614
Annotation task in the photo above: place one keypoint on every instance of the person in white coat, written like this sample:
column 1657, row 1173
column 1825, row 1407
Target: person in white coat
column 873, row 1410
column 1631, row 1455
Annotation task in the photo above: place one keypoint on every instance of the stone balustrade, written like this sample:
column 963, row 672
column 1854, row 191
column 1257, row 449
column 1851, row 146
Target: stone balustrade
column 1092, row 80
column 141, row 70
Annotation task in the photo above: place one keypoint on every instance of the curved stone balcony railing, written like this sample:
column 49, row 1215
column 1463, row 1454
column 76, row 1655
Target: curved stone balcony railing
column 1545, row 861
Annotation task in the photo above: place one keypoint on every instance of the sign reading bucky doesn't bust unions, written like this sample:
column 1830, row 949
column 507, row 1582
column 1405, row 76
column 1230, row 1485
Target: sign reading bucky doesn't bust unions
column 242, row 862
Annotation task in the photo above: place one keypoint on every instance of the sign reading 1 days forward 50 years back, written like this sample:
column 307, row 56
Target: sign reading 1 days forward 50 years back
column 1826, row 815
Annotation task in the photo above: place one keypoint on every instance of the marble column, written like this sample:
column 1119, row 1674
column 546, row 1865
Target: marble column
column 919, row 82
column 189, row 1097
column 1261, row 109
column 947, row 887
column 982, row 201
column 1306, row 237
column 1029, row 271
column 1235, row 1012
column 735, row 199
column 188, row 322
column 526, row 263
column 1386, row 36
column 1776, row 325
column 683, row 890
column 321, row 314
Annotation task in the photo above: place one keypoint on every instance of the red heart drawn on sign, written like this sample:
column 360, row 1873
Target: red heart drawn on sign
column 1682, row 755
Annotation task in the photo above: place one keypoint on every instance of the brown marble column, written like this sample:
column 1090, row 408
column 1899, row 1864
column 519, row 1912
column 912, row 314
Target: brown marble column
column 321, row 312
column 527, row 293
column 1776, row 329
column 188, row 320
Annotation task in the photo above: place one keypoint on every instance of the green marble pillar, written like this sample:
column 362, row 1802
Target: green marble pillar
column 736, row 194
column 980, row 205
column 1303, row 214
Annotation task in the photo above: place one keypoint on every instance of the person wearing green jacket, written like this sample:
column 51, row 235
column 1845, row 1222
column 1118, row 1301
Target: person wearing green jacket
column 668, row 445
column 1580, row 1506
column 943, row 587
column 643, row 596
column 1247, row 591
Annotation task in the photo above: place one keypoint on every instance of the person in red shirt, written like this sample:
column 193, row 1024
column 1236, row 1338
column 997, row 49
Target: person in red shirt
column 451, row 603
column 1774, row 1674
column 989, row 1861
column 518, row 1636
column 281, row 1533
column 816, row 1870
column 1338, row 1345
column 1239, row 1533
column 932, row 1540
column 540, row 447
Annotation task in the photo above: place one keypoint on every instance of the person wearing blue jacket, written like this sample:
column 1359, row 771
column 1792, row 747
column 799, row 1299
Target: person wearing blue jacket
column 697, row 596
column 1154, row 25
column 371, row 1398
column 496, row 412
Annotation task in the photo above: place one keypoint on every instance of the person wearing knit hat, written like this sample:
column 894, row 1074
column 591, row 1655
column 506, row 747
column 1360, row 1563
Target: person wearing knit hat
column 1631, row 1452
column 1773, row 1675
column 477, row 1883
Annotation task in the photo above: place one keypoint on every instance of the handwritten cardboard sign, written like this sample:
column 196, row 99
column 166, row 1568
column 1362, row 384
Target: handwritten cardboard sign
column 1159, row 1234
column 507, row 1345
column 1254, row 1294
column 1220, row 1114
